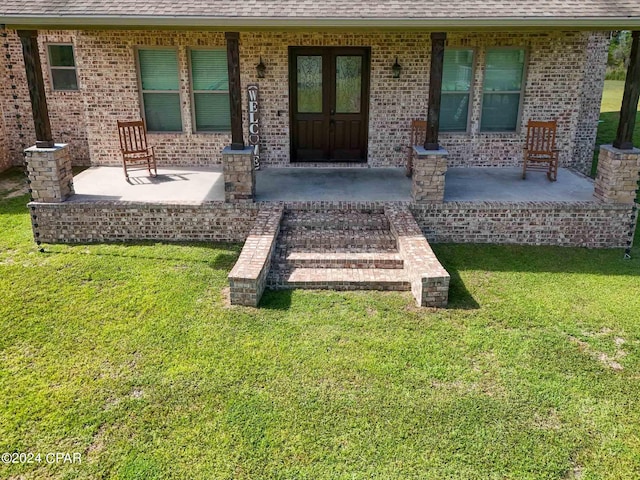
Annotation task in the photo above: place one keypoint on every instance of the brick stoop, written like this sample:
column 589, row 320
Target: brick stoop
column 355, row 250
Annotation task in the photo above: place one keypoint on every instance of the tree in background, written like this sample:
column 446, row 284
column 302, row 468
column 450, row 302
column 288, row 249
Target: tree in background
column 619, row 51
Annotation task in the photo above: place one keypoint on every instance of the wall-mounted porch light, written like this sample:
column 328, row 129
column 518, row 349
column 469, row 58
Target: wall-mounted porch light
column 261, row 68
column 396, row 69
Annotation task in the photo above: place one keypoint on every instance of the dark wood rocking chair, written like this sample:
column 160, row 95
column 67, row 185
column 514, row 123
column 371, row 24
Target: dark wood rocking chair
column 540, row 152
column 417, row 136
column 135, row 150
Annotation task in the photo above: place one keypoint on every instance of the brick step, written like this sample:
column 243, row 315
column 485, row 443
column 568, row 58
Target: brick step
column 332, row 240
column 337, row 220
column 306, row 259
column 339, row 279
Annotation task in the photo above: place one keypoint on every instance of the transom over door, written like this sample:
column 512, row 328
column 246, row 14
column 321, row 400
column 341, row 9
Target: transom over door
column 329, row 96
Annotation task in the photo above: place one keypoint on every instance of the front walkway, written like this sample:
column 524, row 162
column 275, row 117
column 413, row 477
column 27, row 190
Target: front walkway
column 201, row 185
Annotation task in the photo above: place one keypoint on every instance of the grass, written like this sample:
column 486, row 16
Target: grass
column 129, row 355
column 610, row 116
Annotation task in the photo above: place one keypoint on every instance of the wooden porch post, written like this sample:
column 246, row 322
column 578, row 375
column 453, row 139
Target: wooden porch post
column 435, row 89
column 624, row 137
column 235, row 95
column 31, row 54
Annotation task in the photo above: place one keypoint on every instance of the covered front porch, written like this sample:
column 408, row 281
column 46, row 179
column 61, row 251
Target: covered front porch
column 199, row 185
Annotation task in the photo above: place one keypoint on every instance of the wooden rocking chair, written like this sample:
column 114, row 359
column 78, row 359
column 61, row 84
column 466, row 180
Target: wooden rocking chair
column 417, row 136
column 135, row 150
column 540, row 152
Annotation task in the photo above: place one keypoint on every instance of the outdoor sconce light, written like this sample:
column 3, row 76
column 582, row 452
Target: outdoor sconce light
column 396, row 69
column 261, row 68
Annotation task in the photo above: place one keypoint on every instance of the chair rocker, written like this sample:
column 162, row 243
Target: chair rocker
column 417, row 136
column 134, row 148
column 540, row 152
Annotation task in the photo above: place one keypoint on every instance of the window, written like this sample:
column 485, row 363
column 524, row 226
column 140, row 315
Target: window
column 160, row 87
column 62, row 66
column 502, row 90
column 210, row 87
column 457, row 76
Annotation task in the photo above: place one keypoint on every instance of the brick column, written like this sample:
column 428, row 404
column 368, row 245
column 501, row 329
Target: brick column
column 617, row 177
column 50, row 173
column 239, row 175
column 429, row 168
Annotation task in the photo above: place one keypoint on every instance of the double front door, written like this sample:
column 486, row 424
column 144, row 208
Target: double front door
column 329, row 95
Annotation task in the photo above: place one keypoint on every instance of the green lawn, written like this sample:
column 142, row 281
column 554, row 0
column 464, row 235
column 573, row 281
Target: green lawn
column 610, row 116
column 129, row 355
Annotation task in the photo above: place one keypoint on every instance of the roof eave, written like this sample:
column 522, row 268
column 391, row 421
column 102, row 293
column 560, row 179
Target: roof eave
column 128, row 21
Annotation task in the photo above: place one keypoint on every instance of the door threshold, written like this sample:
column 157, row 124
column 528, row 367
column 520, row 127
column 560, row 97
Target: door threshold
column 324, row 164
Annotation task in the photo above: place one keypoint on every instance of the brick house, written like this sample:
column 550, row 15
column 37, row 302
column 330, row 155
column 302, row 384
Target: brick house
column 339, row 83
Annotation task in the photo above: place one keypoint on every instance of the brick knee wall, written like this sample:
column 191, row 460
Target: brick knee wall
column 429, row 279
column 580, row 224
column 105, row 221
column 248, row 278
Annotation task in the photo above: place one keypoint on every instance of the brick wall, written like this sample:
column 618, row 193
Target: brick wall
column 14, row 96
column 580, row 224
column 66, row 108
column 595, row 66
column 4, row 150
column 105, row 221
column 560, row 83
column 555, row 71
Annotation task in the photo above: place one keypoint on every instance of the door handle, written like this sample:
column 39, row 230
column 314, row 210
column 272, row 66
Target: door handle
column 333, row 112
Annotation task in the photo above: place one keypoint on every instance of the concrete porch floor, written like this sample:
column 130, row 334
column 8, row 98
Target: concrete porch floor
column 192, row 184
column 475, row 184
column 198, row 185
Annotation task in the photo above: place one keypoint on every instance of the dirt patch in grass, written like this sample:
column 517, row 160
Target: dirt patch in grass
column 97, row 445
column 12, row 186
column 602, row 357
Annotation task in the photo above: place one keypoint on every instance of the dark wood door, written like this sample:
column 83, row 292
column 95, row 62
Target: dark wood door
column 329, row 96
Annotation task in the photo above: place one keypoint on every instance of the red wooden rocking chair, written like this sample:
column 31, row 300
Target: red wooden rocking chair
column 135, row 150
column 417, row 136
column 540, row 152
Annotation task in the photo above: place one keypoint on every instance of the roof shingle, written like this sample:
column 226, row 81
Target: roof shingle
column 253, row 10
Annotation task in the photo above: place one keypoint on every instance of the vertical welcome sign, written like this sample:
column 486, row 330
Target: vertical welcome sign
column 254, row 125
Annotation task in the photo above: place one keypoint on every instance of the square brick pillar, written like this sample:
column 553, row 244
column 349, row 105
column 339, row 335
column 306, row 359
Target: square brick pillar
column 617, row 176
column 429, row 168
column 239, row 175
column 50, row 173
